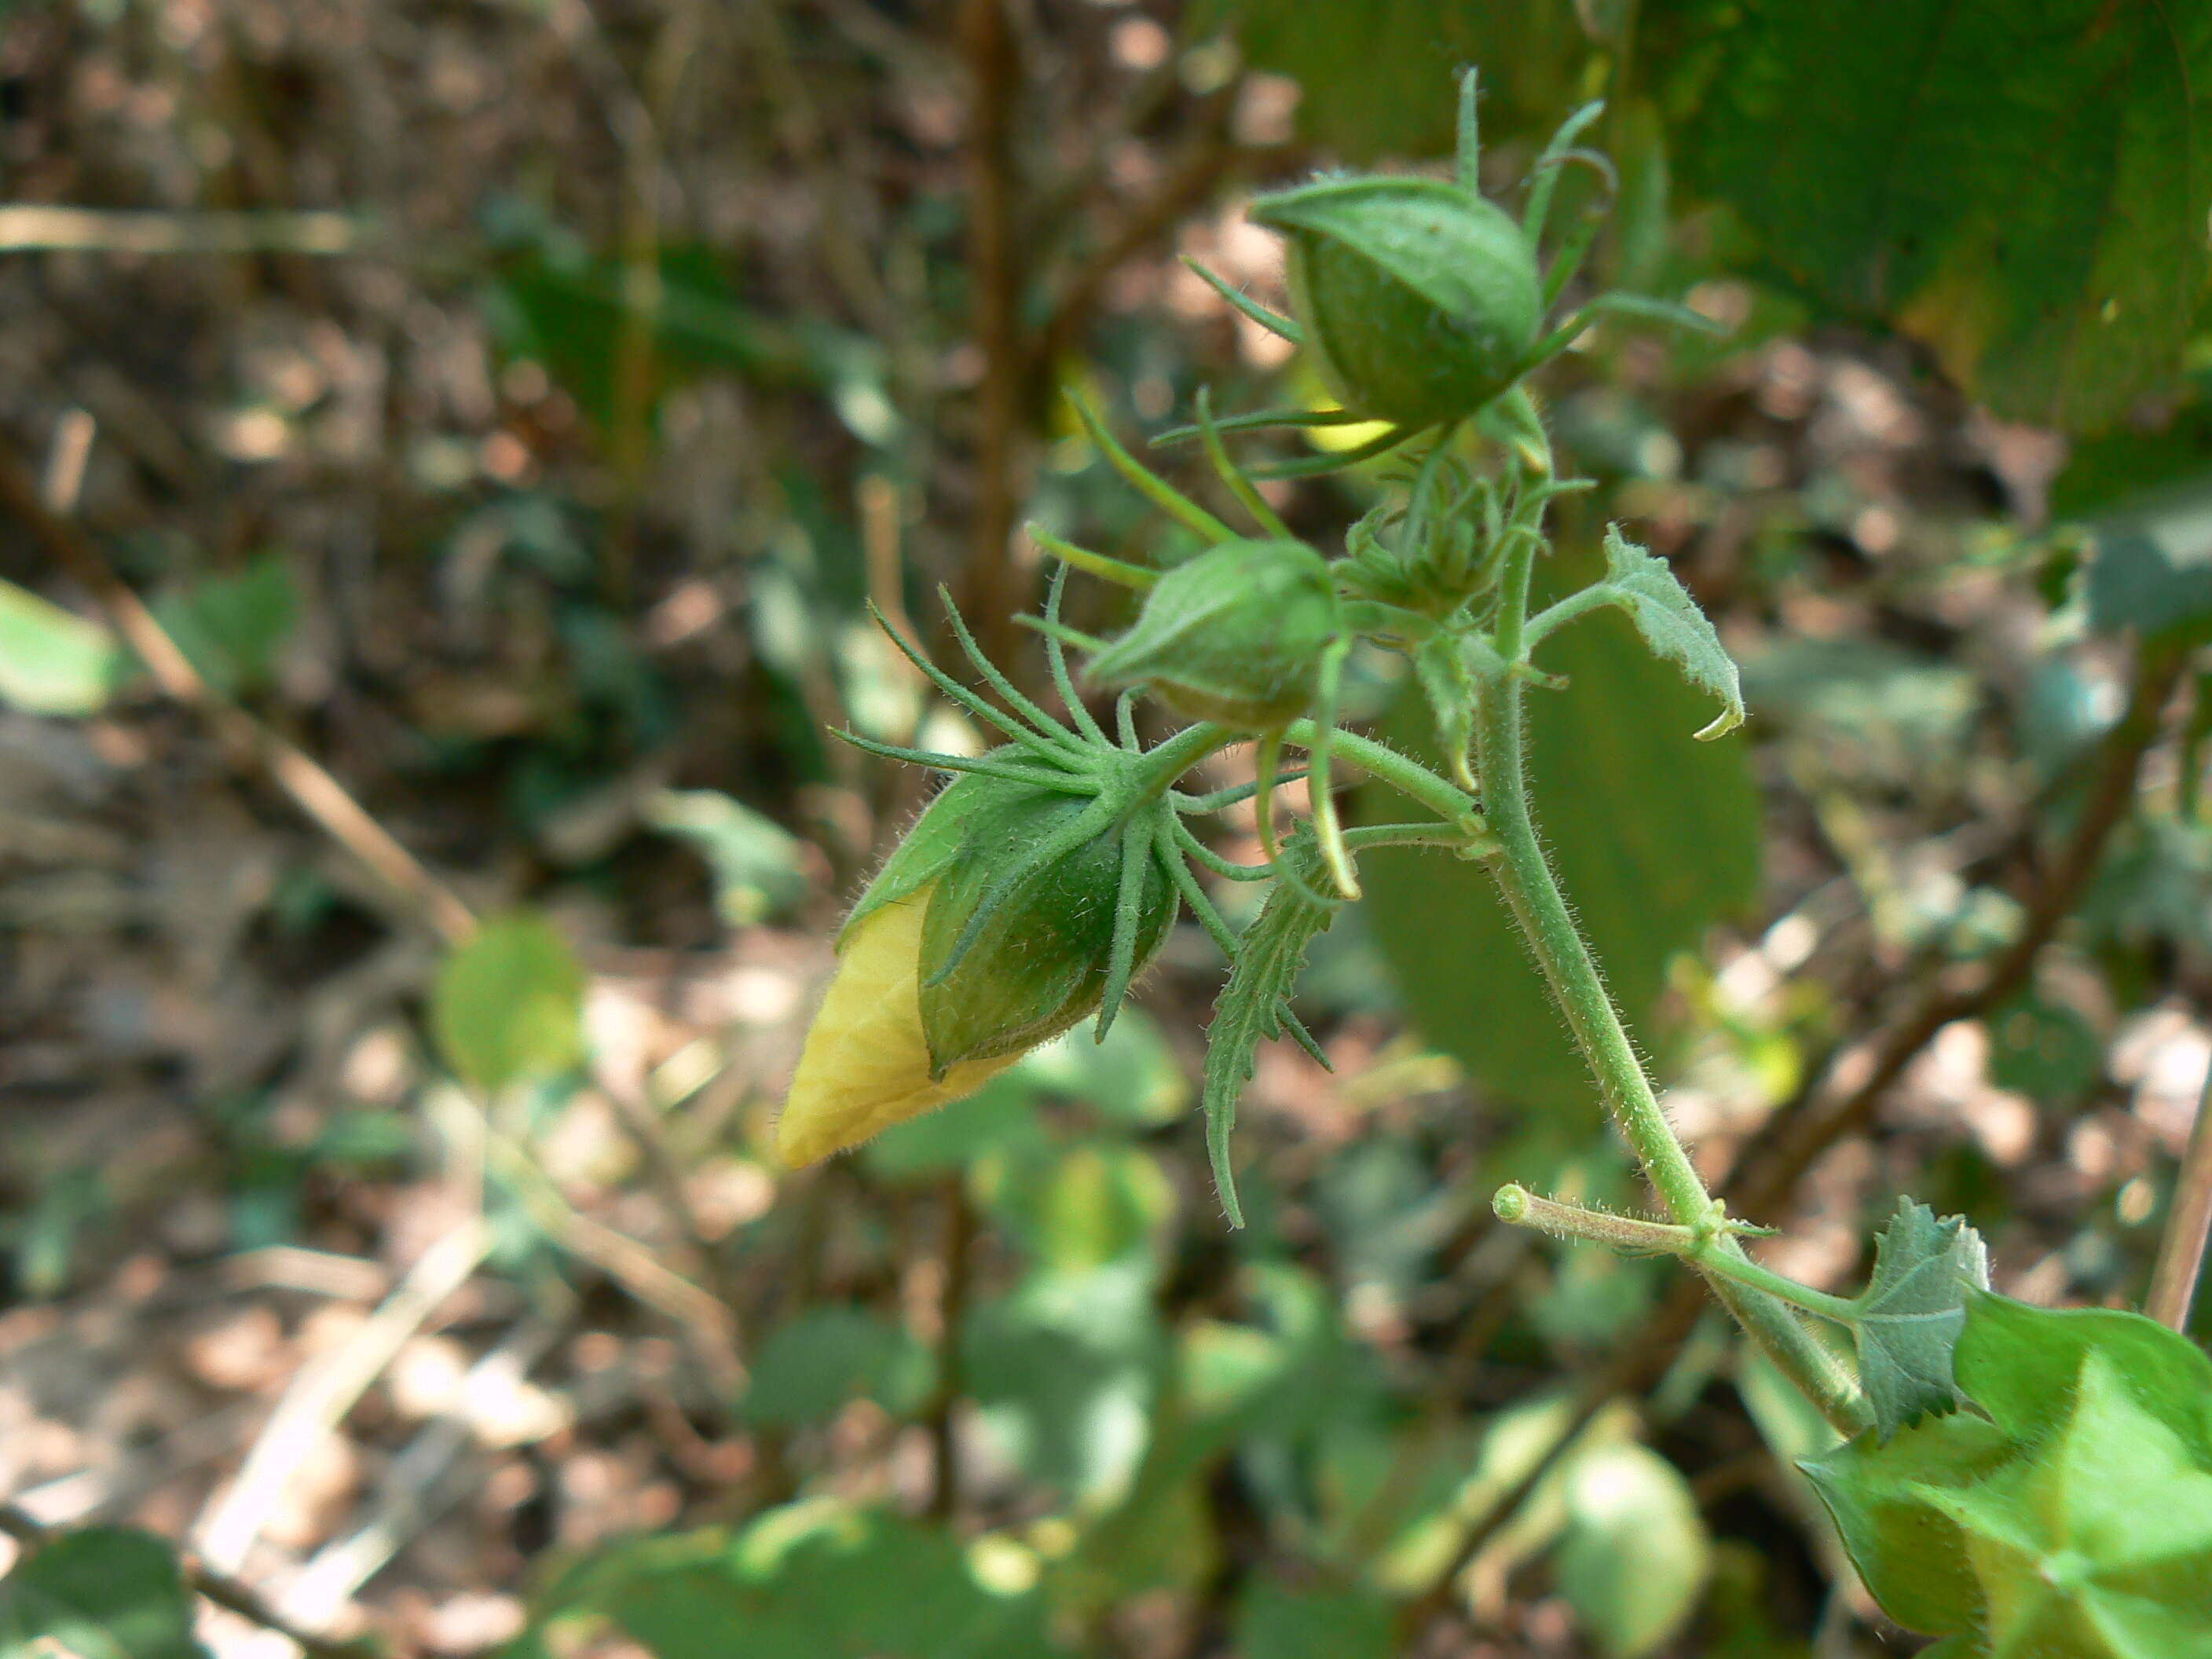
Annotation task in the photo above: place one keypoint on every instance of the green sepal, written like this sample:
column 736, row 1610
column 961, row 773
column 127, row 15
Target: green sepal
column 2098, row 1542
column 1235, row 635
column 1421, row 301
column 1252, row 1007
column 925, row 851
column 1909, row 1317
column 1446, row 681
column 1912, row 1557
column 2019, row 1363
column 2074, row 1518
column 1039, row 958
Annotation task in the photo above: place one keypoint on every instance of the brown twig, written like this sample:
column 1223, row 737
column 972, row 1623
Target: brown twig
column 990, row 592
column 221, row 1589
column 960, row 1230
column 2188, row 1224
column 1204, row 163
column 311, row 787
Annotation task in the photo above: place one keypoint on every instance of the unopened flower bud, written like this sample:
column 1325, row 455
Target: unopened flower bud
column 1420, row 299
column 1237, row 635
column 990, row 931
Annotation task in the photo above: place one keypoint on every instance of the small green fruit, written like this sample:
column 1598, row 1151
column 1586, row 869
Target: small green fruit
column 1237, row 635
column 1420, row 299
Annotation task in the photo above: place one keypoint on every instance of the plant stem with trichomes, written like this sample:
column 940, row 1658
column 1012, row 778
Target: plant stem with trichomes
column 1532, row 895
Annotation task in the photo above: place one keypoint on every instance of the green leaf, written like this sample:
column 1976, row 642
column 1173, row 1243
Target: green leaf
column 2045, row 1050
column 2074, row 1518
column 509, row 1003
column 759, row 867
column 1130, row 1076
column 1655, row 837
column 104, row 1593
column 1912, row 1556
column 2097, row 1541
column 52, row 661
column 808, row 1370
column 1910, row 1316
column 1001, row 1118
column 1250, row 1008
column 2019, row 1364
column 1064, row 1371
column 1393, row 94
column 1636, row 1556
column 2152, row 573
column 813, row 1580
column 1274, row 1622
column 2022, row 187
column 234, row 628
column 567, row 310
column 1672, row 625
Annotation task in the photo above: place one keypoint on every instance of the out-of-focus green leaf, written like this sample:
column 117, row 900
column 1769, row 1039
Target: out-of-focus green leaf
column 234, row 628
column 1274, row 1622
column 2152, row 572
column 813, row 1580
column 1065, row 1369
column 1000, row 1120
column 2045, row 1050
column 53, row 661
column 2133, row 462
column 105, row 1593
column 1636, row 1555
column 1653, row 834
column 509, row 1003
column 1871, row 707
column 808, row 1370
column 1130, row 1077
column 2023, row 187
column 567, row 309
column 760, row 868
column 1393, row 94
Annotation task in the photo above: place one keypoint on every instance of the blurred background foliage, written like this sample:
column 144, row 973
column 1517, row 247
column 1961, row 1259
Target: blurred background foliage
column 512, row 407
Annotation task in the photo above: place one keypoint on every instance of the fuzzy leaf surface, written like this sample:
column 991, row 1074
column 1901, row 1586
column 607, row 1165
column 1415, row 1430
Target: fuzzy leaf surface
column 1912, row 1311
column 1646, row 587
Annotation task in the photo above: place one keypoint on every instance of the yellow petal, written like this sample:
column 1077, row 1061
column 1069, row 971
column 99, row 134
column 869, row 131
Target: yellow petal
column 866, row 1065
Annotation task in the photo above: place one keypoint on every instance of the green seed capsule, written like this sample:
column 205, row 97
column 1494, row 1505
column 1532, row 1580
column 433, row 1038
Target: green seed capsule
column 1236, row 636
column 1420, row 300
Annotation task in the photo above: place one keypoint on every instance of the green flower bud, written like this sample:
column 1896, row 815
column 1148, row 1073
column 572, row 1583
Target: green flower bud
column 1235, row 636
column 1420, row 300
column 1037, row 961
column 994, row 927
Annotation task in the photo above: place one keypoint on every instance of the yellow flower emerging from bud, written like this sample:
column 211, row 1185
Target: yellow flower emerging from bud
column 867, row 1065
column 1011, row 911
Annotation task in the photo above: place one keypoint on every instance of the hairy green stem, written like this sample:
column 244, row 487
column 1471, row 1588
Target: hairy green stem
column 1532, row 895
column 1407, row 776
